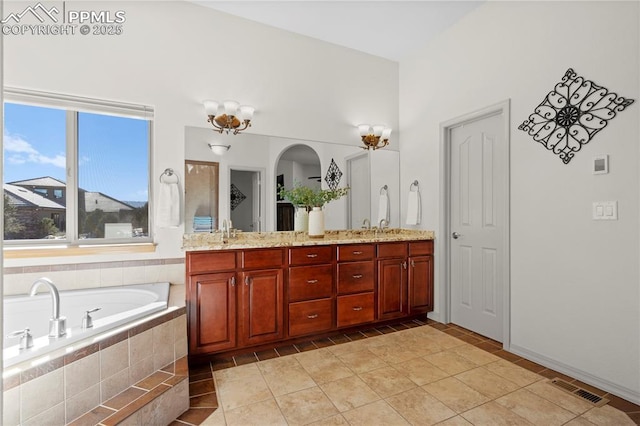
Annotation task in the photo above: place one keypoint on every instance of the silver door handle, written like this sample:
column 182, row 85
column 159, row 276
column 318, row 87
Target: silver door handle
column 455, row 235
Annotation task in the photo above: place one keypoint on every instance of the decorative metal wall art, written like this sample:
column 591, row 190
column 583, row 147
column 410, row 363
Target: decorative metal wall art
column 571, row 115
column 236, row 197
column 333, row 175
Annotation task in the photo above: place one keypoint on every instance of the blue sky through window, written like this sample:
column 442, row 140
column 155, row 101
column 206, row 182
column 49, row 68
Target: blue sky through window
column 112, row 155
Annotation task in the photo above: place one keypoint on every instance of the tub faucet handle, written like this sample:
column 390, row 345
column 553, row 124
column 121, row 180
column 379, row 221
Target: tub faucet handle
column 87, row 321
column 26, row 339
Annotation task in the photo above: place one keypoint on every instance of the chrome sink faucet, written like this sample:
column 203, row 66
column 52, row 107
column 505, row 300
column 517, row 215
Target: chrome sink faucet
column 366, row 224
column 383, row 224
column 57, row 324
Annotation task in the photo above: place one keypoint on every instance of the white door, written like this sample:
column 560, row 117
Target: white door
column 359, row 196
column 477, row 225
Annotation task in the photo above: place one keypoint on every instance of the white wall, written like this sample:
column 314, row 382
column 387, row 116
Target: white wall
column 173, row 55
column 574, row 281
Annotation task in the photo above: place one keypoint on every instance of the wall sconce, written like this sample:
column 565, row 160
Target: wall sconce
column 230, row 116
column 219, row 149
column 374, row 137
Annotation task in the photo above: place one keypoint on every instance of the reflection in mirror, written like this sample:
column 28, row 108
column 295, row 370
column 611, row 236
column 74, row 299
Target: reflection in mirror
column 297, row 164
column 201, row 196
column 244, row 200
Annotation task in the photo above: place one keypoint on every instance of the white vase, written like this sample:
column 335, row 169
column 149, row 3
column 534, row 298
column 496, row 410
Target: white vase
column 301, row 219
column 316, row 223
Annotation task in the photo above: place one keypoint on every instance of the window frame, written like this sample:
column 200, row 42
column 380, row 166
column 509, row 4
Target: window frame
column 73, row 106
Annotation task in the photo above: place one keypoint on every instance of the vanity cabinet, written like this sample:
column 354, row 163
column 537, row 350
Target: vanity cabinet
column 247, row 298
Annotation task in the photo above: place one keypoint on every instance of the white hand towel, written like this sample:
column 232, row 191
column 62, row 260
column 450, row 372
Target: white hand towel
column 383, row 207
column 169, row 202
column 413, row 208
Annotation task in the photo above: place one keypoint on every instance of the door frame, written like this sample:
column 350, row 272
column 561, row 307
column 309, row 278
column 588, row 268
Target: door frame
column 348, row 161
column 258, row 198
column 500, row 108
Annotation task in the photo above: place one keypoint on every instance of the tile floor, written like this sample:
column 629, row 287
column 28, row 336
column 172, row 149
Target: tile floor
column 407, row 373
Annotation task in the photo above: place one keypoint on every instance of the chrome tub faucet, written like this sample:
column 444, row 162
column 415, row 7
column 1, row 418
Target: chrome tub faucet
column 57, row 324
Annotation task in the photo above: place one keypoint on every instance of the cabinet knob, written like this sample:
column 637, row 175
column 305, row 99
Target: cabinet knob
column 312, row 281
column 413, row 263
column 313, row 316
column 404, row 265
column 357, row 276
column 357, row 252
column 233, row 281
column 357, row 308
column 312, row 255
column 247, row 280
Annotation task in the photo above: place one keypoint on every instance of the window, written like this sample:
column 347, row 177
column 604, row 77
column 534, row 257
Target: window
column 75, row 170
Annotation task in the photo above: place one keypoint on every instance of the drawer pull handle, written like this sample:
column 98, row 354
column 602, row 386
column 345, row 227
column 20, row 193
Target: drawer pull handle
column 357, row 252
column 314, row 316
column 357, row 276
column 357, row 308
column 312, row 281
column 312, row 255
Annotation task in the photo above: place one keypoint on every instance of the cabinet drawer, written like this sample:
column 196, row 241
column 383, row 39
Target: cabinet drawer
column 355, row 309
column 351, row 252
column 211, row 261
column 262, row 258
column 310, row 282
column 310, row 255
column 420, row 248
column 392, row 250
column 355, row 277
column 309, row 317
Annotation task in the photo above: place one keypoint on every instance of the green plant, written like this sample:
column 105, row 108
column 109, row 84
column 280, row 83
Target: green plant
column 303, row 196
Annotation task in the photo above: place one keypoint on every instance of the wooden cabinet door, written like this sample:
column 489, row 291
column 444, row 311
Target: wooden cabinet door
column 420, row 284
column 262, row 306
column 212, row 312
column 392, row 288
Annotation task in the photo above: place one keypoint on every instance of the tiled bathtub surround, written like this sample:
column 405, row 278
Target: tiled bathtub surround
column 18, row 279
column 64, row 388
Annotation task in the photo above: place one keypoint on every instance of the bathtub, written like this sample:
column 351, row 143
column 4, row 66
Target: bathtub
column 118, row 306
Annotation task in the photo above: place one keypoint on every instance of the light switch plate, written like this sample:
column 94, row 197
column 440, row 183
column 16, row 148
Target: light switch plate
column 605, row 210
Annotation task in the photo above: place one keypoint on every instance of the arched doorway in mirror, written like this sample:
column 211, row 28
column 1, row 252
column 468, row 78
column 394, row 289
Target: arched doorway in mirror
column 297, row 164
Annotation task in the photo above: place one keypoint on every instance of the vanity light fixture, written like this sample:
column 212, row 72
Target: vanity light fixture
column 229, row 117
column 218, row 149
column 374, row 137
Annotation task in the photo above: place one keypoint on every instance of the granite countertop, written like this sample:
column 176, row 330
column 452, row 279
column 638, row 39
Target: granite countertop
column 213, row 241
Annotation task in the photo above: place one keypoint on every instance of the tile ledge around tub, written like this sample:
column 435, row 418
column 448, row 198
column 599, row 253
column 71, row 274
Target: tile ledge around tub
column 212, row 241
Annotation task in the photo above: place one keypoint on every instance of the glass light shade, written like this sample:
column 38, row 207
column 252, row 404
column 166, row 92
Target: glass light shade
column 386, row 133
column 246, row 112
column 231, row 107
column 211, row 107
column 364, row 129
column 219, row 149
column 377, row 130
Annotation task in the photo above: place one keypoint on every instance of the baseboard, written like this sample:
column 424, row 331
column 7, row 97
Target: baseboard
column 434, row 316
column 583, row 376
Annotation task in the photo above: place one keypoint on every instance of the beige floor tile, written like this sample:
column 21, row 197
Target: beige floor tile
column 494, row 414
column 376, row 413
column 349, row 393
column 475, row 355
column 535, row 409
column 306, row 406
column 261, row 413
column 216, row 419
column 455, row 421
column 345, row 348
column 336, row 420
column 607, row 416
column 393, row 353
column 420, row 408
column 510, row 371
column 487, row 383
column 567, row 401
column 450, row 362
column 421, row 344
column 387, row 381
column 239, row 386
column 362, row 361
column 579, row 421
column 420, row 371
column 323, row 366
column 285, row 375
column 444, row 341
column 455, row 394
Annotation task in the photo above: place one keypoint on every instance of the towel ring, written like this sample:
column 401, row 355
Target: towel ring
column 167, row 172
column 384, row 189
column 414, row 184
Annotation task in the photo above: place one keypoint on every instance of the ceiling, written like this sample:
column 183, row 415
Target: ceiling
column 390, row 29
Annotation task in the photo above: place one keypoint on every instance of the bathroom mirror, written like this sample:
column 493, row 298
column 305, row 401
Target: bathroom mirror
column 261, row 155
